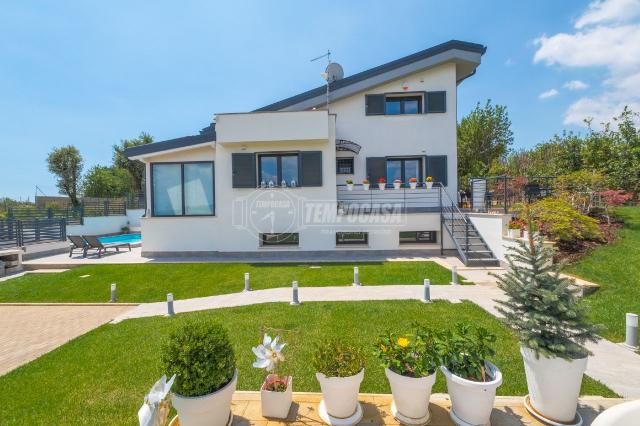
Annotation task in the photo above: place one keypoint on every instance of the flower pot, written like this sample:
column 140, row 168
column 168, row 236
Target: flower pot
column 429, row 185
column 413, row 185
column 382, row 186
column 554, row 385
column 276, row 404
column 514, row 233
column 410, row 397
column 349, row 187
column 525, row 235
column 397, row 185
column 471, row 401
column 340, row 399
column 213, row 409
column 365, row 186
column 619, row 415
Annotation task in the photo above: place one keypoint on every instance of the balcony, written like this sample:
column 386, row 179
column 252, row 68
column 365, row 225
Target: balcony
column 390, row 200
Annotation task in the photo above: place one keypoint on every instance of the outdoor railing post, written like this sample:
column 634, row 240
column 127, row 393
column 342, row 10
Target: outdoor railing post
column 505, row 194
column 37, row 229
column 106, row 207
column 19, row 236
column 63, row 229
column 466, row 236
column 49, row 213
column 441, row 221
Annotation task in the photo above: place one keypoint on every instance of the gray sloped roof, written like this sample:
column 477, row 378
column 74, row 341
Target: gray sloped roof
column 208, row 134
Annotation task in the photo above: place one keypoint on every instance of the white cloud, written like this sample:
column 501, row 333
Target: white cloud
column 548, row 94
column 607, row 37
column 575, row 85
column 609, row 11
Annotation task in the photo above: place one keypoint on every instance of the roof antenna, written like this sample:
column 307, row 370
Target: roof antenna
column 332, row 73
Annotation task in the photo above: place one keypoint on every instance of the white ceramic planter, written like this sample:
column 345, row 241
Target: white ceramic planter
column 429, row 185
column 525, row 235
column 397, row 185
column 365, row 186
column 413, row 185
column 213, row 409
column 625, row 414
column 382, row 186
column 472, row 402
column 276, row 404
column 514, row 233
column 554, row 385
column 349, row 187
column 410, row 397
column 340, row 398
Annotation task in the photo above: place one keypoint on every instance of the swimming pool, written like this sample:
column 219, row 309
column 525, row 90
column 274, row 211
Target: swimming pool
column 133, row 239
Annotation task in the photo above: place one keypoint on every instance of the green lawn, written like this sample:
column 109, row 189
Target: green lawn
column 152, row 281
column 101, row 377
column 616, row 268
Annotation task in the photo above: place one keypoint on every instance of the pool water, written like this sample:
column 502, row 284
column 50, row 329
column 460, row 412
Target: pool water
column 122, row 238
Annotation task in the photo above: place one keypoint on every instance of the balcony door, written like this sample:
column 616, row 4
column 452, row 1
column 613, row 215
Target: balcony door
column 404, row 169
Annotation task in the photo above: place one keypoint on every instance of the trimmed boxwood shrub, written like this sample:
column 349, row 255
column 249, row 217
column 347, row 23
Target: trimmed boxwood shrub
column 200, row 354
column 336, row 359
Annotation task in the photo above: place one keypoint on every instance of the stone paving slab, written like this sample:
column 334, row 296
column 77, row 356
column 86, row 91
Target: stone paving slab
column 508, row 411
column 27, row 332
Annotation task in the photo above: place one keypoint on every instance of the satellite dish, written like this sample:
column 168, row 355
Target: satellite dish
column 334, row 72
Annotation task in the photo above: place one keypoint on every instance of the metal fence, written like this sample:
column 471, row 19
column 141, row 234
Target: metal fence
column 502, row 192
column 17, row 233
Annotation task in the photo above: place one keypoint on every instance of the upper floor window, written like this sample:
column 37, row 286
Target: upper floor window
column 344, row 166
column 182, row 189
column 270, row 169
column 276, row 168
column 394, row 105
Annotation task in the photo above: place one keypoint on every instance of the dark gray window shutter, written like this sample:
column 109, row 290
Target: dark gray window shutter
column 435, row 102
column 374, row 104
column 310, row 166
column 437, row 168
column 376, row 168
column 243, row 170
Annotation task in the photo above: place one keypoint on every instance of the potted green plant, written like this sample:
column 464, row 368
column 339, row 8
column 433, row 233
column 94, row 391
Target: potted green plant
column 429, row 182
column 413, row 182
column 365, row 184
column 410, row 363
column 552, row 326
column 339, row 370
column 349, row 185
column 515, row 228
column 382, row 184
column 472, row 379
column 276, row 391
column 200, row 355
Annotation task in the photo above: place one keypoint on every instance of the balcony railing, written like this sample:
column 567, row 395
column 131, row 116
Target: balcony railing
column 390, row 200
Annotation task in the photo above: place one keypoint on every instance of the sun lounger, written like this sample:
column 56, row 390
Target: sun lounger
column 94, row 243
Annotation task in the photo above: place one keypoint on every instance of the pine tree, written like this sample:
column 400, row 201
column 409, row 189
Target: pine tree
column 542, row 307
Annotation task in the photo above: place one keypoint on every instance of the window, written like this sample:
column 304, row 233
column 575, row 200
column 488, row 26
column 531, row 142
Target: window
column 404, row 169
column 418, row 237
column 274, row 168
column 348, row 238
column 286, row 239
column 394, row 105
column 344, row 166
column 182, row 189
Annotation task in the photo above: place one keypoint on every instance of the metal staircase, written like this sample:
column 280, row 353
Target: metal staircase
column 471, row 247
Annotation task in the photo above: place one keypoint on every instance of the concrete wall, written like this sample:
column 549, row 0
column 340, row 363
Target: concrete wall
column 98, row 225
column 492, row 227
column 133, row 217
column 272, row 126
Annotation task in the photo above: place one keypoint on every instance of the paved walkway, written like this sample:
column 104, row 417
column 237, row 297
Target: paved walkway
column 507, row 411
column 27, row 332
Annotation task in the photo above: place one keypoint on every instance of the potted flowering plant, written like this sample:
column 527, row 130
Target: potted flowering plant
column 413, row 182
column 201, row 357
column 515, row 228
column 397, row 183
column 429, row 182
column 382, row 183
column 340, row 370
column 365, row 184
column 410, row 363
column 276, row 391
column 472, row 379
column 349, row 185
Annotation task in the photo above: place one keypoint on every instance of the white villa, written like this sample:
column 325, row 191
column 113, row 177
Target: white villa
column 292, row 175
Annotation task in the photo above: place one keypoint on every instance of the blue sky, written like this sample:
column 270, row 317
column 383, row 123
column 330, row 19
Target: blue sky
column 92, row 73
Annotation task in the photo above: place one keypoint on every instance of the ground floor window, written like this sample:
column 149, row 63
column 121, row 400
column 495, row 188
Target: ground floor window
column 344, row 166
column 347, row 238
column 418, row 237
column 284, row 239
column 182, row 189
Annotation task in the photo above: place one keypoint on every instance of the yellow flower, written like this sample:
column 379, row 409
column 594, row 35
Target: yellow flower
column 403, row 342
column 383, row 347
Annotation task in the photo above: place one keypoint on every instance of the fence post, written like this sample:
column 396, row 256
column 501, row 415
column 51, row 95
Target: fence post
column 19, row 236
column 82, row 213
column 63, row 229
column 49, row 212
column 10, row 213
column 106, row 208
column 37, row 228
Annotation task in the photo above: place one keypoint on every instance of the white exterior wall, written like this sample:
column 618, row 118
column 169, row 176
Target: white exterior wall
column 99, row 225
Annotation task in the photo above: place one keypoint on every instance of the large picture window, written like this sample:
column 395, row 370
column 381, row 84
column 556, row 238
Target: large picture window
column 275, row 168
column 182, row 189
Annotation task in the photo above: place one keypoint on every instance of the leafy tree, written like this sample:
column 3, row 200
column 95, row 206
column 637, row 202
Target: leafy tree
column 66, row 163
column 484, row 137
column 579, row 189
column 106, row 182
column 541, row 306
column 134, row 167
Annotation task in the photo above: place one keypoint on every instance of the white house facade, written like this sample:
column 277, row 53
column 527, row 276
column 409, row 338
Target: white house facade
column 306, row 173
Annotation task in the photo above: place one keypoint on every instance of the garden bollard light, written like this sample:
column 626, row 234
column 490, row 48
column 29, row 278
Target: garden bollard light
column 427, row 291
column 247, row 286
column 632, row 331
column 294, row 300
column 454, row 275
column 356, row 276
column 114, row 297
column 170, row 310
